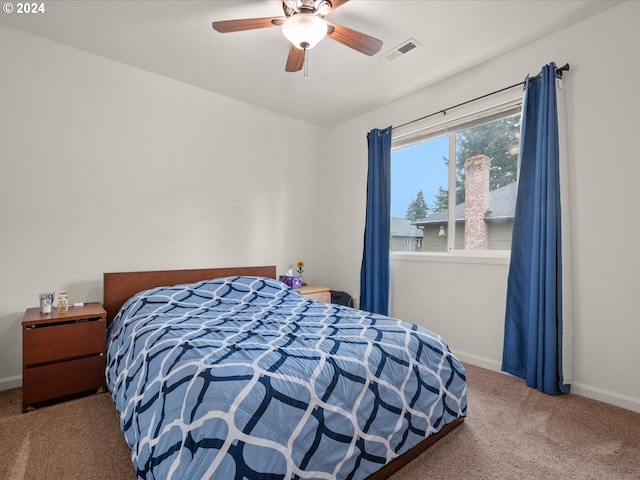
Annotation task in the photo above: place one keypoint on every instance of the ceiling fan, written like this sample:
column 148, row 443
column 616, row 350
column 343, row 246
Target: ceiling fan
column 304, row 26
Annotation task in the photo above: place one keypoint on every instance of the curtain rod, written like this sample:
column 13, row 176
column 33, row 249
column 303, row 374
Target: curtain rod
column 444, row 111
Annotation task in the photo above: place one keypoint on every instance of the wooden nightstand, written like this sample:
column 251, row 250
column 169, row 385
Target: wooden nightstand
column 316, row 292
column 62, row 353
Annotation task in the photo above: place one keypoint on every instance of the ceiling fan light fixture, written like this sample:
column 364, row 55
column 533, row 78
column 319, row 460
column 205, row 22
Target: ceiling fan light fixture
column 304, row 30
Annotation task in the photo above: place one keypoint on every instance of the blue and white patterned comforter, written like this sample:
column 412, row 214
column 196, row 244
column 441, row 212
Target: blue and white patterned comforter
column 242, row 377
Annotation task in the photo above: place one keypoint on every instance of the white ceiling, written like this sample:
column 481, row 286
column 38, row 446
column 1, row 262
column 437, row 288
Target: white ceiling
column 175, row 39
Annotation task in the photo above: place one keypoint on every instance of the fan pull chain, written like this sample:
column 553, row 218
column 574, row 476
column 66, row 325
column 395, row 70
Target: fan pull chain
column 306, row 62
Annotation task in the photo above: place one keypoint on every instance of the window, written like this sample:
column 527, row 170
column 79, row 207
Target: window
column 467, row 204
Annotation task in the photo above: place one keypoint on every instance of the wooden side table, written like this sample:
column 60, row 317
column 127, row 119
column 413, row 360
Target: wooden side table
column 62, row 353
column 315, row 292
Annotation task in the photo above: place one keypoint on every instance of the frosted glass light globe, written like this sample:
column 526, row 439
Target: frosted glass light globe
column 304, row 30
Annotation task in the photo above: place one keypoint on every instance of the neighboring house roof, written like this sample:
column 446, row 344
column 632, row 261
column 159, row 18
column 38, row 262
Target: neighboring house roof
column 502, row 203
column 401, row 227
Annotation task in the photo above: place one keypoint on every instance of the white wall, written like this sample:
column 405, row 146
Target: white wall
column 602, row 107
column 104, row 167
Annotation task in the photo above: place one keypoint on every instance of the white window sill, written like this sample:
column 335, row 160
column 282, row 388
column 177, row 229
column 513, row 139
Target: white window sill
column 491, row 257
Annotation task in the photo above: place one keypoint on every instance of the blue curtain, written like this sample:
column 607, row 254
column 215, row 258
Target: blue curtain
column 533, row 319
column 374, row 273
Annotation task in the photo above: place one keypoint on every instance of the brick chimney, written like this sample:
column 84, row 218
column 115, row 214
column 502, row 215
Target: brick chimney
column 476, row 198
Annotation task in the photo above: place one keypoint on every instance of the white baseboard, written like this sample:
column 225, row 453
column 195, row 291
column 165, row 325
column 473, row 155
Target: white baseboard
column 478, row 361
column 606, row 396
column 8, row 383
column 594, row 393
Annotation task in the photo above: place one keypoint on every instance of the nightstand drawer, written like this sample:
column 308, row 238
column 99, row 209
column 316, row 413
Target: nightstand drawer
column 321, row 296
column 58, row 341
column 315, row 292
column 63, row 378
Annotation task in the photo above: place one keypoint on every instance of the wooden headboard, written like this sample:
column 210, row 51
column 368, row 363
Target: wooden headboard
column 120, row 286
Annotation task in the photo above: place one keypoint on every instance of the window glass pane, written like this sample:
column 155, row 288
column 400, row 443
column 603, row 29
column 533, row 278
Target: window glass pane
column 485, row 189
column 419, row 188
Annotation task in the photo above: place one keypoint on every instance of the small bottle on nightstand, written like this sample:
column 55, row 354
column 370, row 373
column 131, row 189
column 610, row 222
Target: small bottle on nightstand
column 63, row 302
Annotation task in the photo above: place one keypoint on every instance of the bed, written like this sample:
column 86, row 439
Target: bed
column 228, row 373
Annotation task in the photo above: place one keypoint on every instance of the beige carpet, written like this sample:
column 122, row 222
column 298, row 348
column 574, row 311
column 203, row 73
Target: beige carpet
column 515, row 432
column 76, row 440
column 512, row 432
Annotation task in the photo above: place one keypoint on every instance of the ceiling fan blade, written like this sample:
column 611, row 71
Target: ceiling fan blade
column 226, row 26
column 353, row 39
column 295, row 60
column 337, row 3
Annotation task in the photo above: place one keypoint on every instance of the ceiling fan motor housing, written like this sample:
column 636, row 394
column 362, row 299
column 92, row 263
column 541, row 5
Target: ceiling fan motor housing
column 319, row 7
